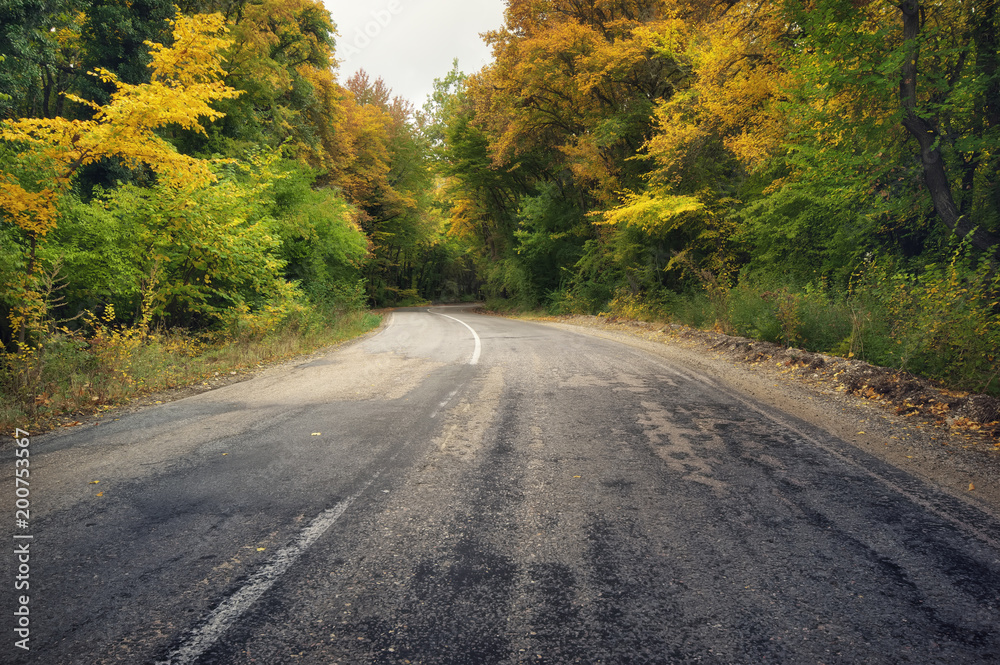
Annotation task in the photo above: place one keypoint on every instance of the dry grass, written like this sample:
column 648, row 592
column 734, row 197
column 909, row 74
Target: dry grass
column 68, row 374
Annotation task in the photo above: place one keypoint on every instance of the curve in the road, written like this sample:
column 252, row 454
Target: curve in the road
column 475, row 336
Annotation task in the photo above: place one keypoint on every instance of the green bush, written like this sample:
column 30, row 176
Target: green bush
column 692, row 309
column 753, row 314
column 823, row 321
column 942, row 320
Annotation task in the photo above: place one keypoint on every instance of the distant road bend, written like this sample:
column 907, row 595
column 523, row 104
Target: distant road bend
column 467, row 489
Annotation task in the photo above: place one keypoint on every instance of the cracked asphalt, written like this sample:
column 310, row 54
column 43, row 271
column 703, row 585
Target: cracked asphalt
column 565, row 499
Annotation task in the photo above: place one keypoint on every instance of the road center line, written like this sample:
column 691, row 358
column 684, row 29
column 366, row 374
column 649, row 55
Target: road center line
column 225, row 615
column 479, row 345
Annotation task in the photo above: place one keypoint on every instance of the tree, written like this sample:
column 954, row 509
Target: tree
column 919, row 119
column 41, row 42
column 115, row 37
column 186, row 78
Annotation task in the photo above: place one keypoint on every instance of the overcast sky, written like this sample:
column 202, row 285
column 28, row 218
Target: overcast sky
column 409, row 43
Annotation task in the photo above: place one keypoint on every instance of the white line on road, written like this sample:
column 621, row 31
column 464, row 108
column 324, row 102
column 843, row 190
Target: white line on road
column 222, row 617
column 444, row 403
column 479, row 345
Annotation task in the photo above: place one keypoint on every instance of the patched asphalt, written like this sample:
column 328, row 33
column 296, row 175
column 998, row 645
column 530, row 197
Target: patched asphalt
column 566, row 499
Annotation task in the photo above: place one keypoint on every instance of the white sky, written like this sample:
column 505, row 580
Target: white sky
column 409, row 43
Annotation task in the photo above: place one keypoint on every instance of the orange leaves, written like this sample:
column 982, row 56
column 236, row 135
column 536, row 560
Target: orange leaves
column 366, row 155
column 578, row 80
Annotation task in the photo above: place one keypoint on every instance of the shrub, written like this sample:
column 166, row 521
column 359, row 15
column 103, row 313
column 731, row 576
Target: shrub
column 943, row 320
column 628, row 305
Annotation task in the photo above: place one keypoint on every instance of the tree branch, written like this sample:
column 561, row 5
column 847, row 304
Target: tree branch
column 928, row 138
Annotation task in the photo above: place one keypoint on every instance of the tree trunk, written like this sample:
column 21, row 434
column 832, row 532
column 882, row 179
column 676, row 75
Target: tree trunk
column 926, row 134
column 23, row 328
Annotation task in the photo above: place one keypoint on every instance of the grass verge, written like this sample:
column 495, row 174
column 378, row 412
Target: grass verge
column 68, row 375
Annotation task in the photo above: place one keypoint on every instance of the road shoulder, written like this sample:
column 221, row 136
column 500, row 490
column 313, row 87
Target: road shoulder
column 70, row 421
column 965, row 462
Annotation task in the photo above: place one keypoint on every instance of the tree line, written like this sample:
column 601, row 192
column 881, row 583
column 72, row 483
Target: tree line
column 822, row 173
column 187, row 175
column 203, row 157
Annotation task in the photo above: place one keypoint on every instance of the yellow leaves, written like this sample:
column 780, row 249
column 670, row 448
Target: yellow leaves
column 35, row 212
column 186, row 80
column 197, row 53
column 569, row 76
column 737, row 73
column 668, row 38
column 466, row 216
column 653, row 213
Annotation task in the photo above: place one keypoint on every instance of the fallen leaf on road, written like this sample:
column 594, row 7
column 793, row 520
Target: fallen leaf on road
column 317, row 434
column 94, row 482
column 99, row 494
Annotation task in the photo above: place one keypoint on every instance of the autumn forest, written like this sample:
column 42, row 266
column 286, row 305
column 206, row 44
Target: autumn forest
column 195, row 187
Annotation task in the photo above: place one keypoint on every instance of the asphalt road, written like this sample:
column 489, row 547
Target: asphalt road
column 463, row 489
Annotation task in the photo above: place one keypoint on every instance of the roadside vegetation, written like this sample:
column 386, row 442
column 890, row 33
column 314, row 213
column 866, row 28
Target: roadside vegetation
column 74, row 373
column 189, row 188
column 940, row 322
column 821, row 174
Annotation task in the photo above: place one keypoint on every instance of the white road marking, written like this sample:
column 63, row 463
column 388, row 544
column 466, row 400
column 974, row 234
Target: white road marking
column 226, row 614
column 444, row 403
column 479, row 345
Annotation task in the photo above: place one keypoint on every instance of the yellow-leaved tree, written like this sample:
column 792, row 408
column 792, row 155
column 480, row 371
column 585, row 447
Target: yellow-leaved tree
column 186, row 78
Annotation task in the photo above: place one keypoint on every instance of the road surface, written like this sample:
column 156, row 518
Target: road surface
column 464, row 489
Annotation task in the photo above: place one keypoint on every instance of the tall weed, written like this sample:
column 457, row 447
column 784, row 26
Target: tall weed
column 633, row 306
